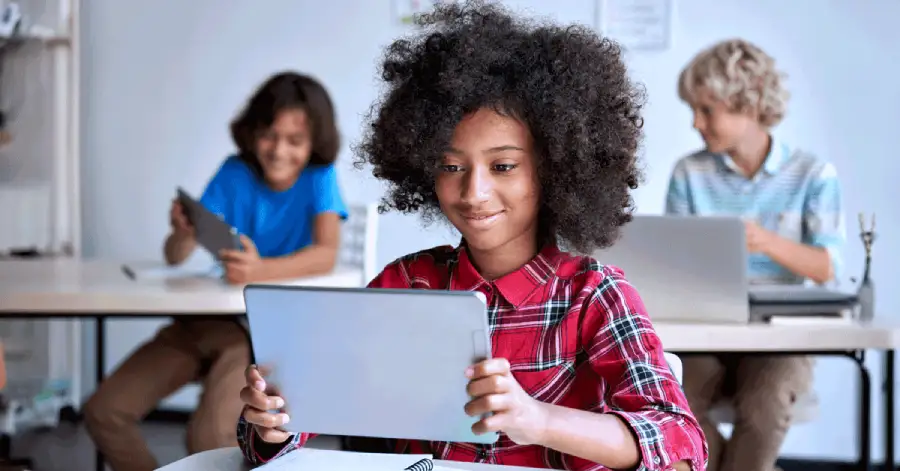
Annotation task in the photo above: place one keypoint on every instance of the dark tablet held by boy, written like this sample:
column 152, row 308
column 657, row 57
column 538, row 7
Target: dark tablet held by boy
column 212, row 233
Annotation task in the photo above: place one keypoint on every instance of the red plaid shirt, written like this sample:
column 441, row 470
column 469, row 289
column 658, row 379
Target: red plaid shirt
column 576, row 335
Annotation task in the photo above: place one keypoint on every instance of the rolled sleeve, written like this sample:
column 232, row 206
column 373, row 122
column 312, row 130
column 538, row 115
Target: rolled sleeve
column 643, row 391
column 656, row 452
column 823, row 216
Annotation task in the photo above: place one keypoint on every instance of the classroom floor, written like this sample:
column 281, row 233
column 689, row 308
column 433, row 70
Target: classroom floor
column 69, row 447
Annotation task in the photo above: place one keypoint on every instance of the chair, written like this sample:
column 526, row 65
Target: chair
column 806, row 409
column 674, row 365
column 359, row 236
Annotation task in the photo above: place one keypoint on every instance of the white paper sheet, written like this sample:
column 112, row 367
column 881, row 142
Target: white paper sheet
column 309, row 459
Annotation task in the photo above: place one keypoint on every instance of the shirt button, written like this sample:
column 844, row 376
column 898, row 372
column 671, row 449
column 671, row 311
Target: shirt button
column 656, row 459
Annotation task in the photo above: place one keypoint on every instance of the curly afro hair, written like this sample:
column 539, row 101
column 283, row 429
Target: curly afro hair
column 566, row 84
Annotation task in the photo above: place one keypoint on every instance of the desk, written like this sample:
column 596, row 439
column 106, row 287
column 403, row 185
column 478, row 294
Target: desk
column 71, row 288
column 849, row 341
column 230, row 459
column 67, row 288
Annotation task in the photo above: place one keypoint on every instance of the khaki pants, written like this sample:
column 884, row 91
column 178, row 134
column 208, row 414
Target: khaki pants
column 214, row 351
column 763, row 390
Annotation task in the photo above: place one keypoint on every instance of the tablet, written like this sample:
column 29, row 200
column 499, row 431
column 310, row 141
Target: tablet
column 371, row 362
column 211, row 231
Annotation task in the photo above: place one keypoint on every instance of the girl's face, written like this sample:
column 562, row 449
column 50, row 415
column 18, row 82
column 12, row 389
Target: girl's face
column 487, row 184
column 284, row 148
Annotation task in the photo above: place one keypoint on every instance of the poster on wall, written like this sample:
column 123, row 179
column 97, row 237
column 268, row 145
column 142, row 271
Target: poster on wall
column 642, row 25
column 405, row 10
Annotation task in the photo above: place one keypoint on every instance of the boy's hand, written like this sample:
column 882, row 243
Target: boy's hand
column 242, row 266
column 515, row 413
column 259, row 398
column 758, row 239
column 179, row 221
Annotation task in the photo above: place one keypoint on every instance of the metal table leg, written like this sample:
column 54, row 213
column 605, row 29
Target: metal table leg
column 889, row 430
column 100, row 349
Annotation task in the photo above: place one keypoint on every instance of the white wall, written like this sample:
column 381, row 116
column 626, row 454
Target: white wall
column 162, row 78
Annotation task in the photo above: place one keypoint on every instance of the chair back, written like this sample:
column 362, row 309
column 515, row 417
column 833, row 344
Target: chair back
column 674, row 365
column 359, row 235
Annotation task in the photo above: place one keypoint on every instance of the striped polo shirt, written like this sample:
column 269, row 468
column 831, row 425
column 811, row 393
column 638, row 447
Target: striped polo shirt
column 795, row 195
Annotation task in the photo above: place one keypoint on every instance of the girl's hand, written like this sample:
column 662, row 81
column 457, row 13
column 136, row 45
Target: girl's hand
column 514, row 412
column 259, row 399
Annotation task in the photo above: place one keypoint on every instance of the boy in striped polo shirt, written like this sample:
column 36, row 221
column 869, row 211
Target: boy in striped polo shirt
column 791, row 203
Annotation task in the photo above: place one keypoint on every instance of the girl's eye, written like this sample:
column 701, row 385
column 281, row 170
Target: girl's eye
column 504, row 167
column 450, row 168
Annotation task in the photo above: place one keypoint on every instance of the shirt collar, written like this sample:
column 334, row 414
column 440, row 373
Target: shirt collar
column 515, row 287
column 778, row 155
column 775, row 159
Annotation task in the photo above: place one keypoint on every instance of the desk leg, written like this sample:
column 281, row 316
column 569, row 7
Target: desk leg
column 865, row 414
column 890, row 463
column 100, row 352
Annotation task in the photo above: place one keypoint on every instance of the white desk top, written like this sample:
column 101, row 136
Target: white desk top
column 101, row 287
column 230, row 459
column 695, row 337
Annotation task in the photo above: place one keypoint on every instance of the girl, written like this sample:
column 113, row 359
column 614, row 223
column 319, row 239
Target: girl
column 522, row 135
column 280, row 191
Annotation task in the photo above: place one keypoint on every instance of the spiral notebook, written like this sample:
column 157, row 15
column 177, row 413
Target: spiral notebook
column 309, row 459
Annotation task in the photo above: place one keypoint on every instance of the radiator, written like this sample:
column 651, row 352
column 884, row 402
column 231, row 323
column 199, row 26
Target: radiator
column 25, row 217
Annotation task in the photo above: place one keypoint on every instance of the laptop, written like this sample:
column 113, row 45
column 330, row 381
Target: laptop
column 686, row 269
column 371, row 362
column 694, row 269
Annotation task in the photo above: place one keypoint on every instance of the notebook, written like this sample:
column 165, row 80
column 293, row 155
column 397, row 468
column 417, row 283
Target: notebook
column 309, row 459
column 163, row 272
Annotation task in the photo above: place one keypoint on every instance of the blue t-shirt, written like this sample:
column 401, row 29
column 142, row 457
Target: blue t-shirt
column 278, row 222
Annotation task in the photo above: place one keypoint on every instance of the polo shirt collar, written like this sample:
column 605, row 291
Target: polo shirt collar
column 775, row 159
column 517, row 286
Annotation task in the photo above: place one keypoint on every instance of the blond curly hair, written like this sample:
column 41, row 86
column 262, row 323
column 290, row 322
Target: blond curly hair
column 741, row 75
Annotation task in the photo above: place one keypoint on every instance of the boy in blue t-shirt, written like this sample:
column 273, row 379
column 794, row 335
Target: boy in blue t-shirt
column 280, row 191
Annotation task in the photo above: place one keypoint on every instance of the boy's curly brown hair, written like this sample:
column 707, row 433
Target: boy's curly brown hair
column 569, row 86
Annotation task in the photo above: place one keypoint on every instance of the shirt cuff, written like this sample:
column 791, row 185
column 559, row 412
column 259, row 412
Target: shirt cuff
column 264, row 451
column 258, row 452
column 652, row 443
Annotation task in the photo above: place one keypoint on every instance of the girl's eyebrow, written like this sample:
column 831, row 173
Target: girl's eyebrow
column 490, row 150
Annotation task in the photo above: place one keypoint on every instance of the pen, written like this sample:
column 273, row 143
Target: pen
column 128, row 272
